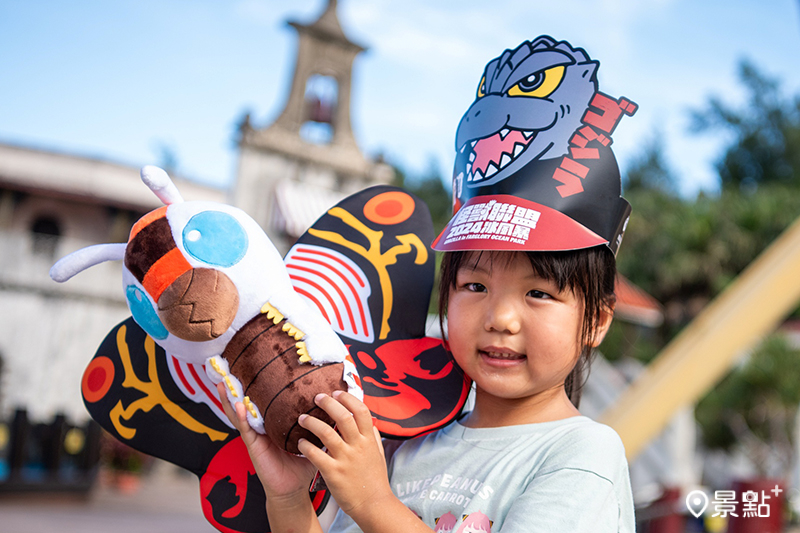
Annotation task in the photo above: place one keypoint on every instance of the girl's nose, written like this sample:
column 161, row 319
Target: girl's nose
column 504, row 317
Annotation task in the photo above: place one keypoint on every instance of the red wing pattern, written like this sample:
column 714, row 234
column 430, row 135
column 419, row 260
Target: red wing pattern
column 193, row 382
column 336, row 285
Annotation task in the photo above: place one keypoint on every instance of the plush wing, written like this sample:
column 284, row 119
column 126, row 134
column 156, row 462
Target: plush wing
column 367, row 265
column 165, row 408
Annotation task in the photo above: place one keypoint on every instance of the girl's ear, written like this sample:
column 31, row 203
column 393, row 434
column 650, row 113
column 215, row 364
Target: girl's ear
column 603, row 323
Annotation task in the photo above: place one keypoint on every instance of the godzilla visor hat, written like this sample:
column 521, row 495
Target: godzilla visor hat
column 534, row 169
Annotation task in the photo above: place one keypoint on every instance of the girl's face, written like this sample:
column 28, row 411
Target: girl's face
column 511, row 331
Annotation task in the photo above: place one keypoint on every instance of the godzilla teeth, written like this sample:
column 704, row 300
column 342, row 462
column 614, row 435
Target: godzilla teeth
column 493, row 167
column 503, row 133
column 474, row 143
column 527, row 134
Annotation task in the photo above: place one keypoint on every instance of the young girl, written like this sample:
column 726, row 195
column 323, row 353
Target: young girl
column 527, row 287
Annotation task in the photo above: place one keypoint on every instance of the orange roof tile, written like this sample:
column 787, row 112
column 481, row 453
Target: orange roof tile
column 635, row 305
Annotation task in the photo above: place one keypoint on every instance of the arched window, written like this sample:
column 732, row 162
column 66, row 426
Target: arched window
column 45, row 232
column 321, row 96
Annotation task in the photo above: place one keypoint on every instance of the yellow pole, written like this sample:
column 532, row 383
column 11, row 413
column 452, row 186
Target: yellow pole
column 750, row 308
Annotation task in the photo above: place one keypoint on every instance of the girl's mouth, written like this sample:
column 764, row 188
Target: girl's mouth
column 496, row 355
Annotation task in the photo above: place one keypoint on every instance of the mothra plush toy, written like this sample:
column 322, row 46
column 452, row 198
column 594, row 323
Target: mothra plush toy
column 364, row 266
column 207, row 284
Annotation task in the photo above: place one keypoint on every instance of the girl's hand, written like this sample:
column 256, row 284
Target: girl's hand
column 281, row 473
column 354, row 468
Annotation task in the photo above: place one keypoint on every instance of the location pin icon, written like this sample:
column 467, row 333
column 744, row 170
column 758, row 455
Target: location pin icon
column 696, row 502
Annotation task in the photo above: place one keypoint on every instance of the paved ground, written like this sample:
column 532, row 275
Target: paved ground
column 167, row 501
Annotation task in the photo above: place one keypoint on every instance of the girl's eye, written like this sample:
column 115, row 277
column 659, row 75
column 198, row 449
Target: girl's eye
column 475, row 287
column 539, row 294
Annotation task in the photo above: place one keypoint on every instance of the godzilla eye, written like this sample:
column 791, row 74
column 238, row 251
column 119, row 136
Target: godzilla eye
column 531, row 83
column 481, row 87
column 539, row 84
column 215, row 238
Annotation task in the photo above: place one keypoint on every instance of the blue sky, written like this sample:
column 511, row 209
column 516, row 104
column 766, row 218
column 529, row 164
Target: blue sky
column 121, row 80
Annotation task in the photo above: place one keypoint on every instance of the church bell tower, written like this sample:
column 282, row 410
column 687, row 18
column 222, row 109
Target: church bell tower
column 293, row 170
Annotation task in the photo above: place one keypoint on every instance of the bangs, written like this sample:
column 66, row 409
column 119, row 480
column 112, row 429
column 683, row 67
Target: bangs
column 574, row 270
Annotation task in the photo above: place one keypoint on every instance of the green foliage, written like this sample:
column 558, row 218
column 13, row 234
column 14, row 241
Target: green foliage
column 765, row 133
column 629, row 340
column 755, row 406
column 685, row 251
column 692, row 249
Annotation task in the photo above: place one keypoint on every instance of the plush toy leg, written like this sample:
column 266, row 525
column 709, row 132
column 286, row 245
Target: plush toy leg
column 254, row 416
column 218, row 370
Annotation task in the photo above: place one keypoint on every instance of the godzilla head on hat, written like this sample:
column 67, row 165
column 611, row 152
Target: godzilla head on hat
column 534, row 168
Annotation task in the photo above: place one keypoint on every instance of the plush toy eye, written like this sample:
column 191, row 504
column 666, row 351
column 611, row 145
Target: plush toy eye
column 144, row 314
column 539, row 84
column 215, row 238
column 482, row 87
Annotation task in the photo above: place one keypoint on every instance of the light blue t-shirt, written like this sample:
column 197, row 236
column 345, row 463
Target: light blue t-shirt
column 567, row 476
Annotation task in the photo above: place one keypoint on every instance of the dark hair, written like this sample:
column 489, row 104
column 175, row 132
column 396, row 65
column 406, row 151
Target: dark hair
column 589, row 273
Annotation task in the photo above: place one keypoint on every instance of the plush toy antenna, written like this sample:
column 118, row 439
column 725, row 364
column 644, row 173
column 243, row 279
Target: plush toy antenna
column 84, row 258
column 158, row 181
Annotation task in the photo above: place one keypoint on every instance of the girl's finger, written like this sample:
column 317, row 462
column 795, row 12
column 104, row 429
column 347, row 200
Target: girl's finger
column 325, row 433
column 341, row 416
column 379, row 440
column 230, row 412
column 237, row 414
column 361, row 413
column 318, row 458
